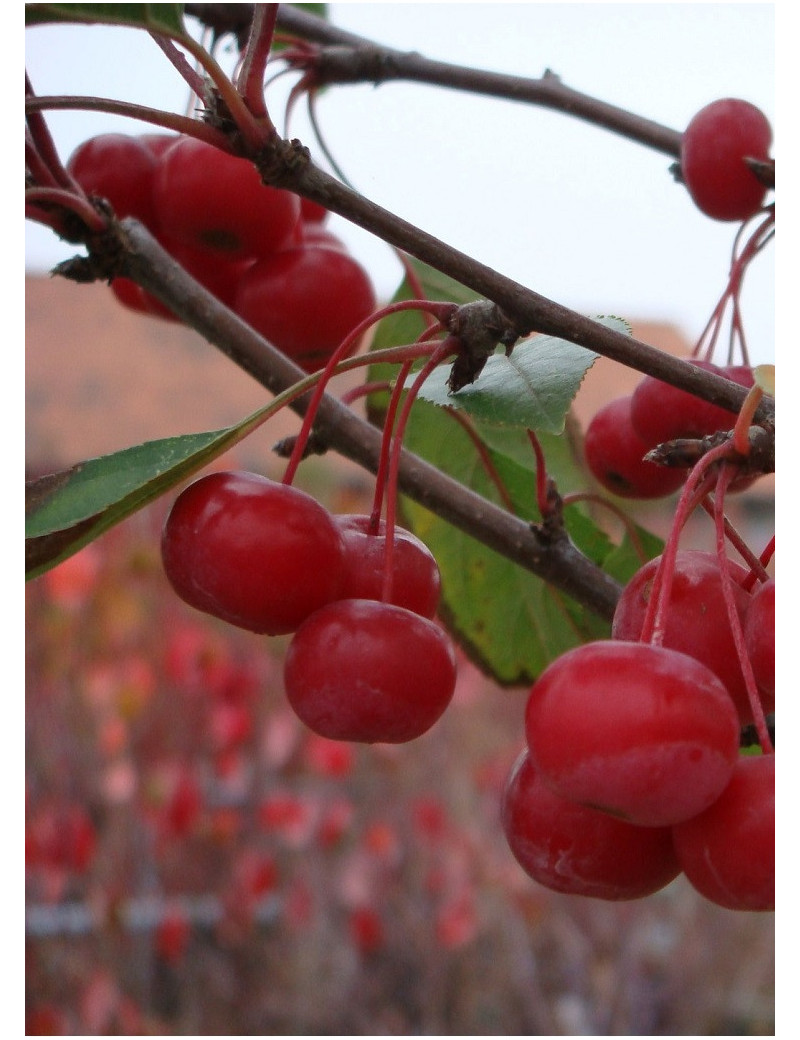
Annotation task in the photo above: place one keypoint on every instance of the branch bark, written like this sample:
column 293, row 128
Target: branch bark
column 558, row 562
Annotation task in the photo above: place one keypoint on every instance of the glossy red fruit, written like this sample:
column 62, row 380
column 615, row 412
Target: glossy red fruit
column 728, row 851
column 258, row 554
column 577, row 850
column 368, row 671
column 697, row 621
column 209, row 199
column 417, row 582
column 305, row 300
column 118, row 168
column 660, row 412
column 219, row 274
column 759, row 638
column 714, row 147
column 615, row 455
column 639, row 731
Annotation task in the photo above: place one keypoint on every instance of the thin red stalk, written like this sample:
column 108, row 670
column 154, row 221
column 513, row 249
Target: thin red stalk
column 757, row 570
column 364, row 390
column 386, row 441
column 176, row 57
column 445, row 349
column 726, row 474
column 697, row 483
column 341, row 352
column 541, row 474
column 741, row 428
column 254, row 133
column 43, row 143
column 624, row 519
column 67, row 200
column 250, row 79
column 40, row 173
column 381, row 473
column 484, row 456
column 768, row 552
column 155, row 116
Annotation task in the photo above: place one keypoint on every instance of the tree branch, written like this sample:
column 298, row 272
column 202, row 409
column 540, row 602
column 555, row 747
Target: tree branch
column 557, row 562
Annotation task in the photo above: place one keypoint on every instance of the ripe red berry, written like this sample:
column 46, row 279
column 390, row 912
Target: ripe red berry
column 578, row 850
column 697, row 620
column 643, row 732
column 118, row 168
column 416, row 583
column 615, row 455
column 258, row 554
column 368, row 671
column 305, row 300
column 661, row 412
column 713, row 149
column 210, row 199
column 728, row 851
column 759, row 638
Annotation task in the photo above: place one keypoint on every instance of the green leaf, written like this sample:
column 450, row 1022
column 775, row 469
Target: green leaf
column 67, row 510
column 532, row 388
column 158, row 18
column 509, row 621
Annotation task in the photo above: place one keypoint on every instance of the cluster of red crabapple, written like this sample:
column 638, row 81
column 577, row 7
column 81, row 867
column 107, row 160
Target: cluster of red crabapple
column 632, row 771
column 262, row 251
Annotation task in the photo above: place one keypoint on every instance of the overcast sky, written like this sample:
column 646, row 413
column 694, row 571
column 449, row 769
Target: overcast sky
column 591, row 220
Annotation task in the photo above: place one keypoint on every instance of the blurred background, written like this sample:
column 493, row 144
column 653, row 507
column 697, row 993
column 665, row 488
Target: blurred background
column 197, row 862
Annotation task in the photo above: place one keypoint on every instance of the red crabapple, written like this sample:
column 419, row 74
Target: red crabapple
column 416, row 581
column 207, row 198
column 728, row 851
column 578, row 850
column 696, row 620
column 368, row 671
column 714, row 147
column 615, row 455
column 305, row 300
column 759, row 638
column 258, row 554
column 661, row 412
column 642, row 732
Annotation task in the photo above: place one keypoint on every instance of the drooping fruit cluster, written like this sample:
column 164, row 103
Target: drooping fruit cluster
column 267, row 557
column 632, row 774
column 622, row 432
column 714, row 147
column 262, row 251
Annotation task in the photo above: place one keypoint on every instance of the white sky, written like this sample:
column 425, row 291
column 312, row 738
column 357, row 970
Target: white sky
column 586, row 218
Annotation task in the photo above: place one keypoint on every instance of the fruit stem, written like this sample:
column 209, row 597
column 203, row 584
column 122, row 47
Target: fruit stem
column 448, row 346
column 484, row 456
column 726, row 474
column 757, row 570
column 698, row 483
column 250, row 78
column 341, row 352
